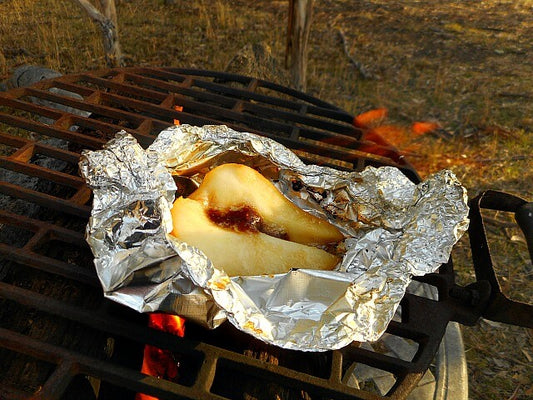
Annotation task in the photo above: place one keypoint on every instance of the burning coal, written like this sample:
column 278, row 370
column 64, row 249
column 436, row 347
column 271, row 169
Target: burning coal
column 159, row 362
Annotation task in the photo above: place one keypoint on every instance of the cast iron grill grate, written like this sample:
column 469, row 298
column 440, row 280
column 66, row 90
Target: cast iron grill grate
column 47, row 278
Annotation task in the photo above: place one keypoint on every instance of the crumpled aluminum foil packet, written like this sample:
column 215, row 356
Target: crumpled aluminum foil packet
column 394, row 230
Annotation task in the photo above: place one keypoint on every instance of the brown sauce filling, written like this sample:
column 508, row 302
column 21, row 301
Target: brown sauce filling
column 244, row 219
column 241, row 219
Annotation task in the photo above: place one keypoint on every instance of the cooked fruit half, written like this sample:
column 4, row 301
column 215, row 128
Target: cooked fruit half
column 237, row 246
column 234, row 185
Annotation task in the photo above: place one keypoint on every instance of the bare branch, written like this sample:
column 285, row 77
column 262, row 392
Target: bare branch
column 109, row 10
column 113, row 54
column 365, row 73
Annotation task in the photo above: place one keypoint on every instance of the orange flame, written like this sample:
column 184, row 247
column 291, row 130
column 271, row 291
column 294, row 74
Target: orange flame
column 158, row 362
column 378, row 136
column 370, row 118
column 392, row 141
column 420, row 128
column 180, row 109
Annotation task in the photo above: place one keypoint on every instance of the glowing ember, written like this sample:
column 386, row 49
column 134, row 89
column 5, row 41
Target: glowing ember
column 180, row 109
column 157, row 362
column 168, row 323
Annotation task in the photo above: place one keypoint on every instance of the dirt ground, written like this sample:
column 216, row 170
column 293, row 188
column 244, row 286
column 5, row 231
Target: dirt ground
column 466, row 65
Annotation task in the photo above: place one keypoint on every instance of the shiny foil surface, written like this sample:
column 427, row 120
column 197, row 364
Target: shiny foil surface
column 394, row 230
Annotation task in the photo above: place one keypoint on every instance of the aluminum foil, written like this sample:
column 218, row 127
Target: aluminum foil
column 394, row 230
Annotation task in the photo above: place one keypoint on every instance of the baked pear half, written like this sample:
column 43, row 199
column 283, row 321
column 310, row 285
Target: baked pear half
column 234, row 185
column 231, row 240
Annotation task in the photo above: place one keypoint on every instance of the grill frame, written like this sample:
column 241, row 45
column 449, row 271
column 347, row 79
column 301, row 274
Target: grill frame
column 308, row 126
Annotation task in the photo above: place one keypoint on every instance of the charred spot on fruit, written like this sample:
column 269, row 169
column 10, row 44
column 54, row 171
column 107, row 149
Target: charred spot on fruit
column 297, row 185
column 241, row 219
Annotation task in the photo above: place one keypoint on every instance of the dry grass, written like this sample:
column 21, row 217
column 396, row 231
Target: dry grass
column 467, row 65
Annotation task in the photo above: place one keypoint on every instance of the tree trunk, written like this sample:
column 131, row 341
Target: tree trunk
column 300, row 15
column 107, row 24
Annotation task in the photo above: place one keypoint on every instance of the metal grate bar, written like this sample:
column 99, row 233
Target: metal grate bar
column 331, row 128
column 245, row 97
column 127, row 89
column 223, row 101
column 100, row 321
column 82, row 196
column 11, row 393
column 69, row 86
column 314, row 109
column 47, row 130
column 223, row 76
column 48, row 264
column 52, row 202
column 206, row 376
column 336, row 367
column 41, row 172
column 297, row 380
column 58, row 382
column 85, row 106
column 99, row 369
column 215, row 89
column 13, row 101
column 267, row 111
column 34, row 225
column 377, row 360
column 39, row 148
column 57, row 153
column 192, row 106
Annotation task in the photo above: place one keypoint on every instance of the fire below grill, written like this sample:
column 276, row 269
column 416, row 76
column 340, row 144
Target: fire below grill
column 61, row 339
